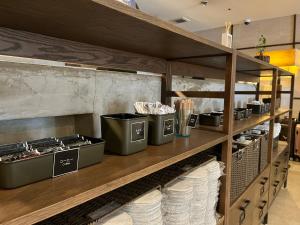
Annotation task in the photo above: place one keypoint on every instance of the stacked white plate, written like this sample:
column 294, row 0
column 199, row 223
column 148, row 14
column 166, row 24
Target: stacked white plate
column 199, row 179
column 146, row 210
column 214, row 171
column 177, row 203
column 120, row 218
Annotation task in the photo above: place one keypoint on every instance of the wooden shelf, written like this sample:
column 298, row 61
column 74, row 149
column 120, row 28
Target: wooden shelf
column 113, row 25
column 36, row 202
column 242, row 125
column 108, row 24
column 281, row 111
column 282, row 146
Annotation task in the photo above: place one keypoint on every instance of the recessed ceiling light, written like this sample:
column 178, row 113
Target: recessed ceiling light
column 181, row 20
column 204, row 2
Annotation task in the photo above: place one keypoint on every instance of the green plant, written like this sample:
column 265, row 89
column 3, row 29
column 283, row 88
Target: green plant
column 261, row 47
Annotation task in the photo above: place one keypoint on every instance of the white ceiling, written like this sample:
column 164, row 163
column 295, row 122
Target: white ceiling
column 215, row 13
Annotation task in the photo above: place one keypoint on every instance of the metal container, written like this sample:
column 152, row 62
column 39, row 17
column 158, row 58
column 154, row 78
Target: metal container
column 239, row 114
column 211, row 119
column 263, row 157
column 246, row 113
column 124, row 133
column 21, row 172
column 161, row 129
column 238, row 171
column 256, row 109
column 252, row 151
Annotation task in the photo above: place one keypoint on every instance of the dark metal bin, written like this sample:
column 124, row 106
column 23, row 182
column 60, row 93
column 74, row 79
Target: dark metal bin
column 21, row 172
column 161, row 129
column 124, row 133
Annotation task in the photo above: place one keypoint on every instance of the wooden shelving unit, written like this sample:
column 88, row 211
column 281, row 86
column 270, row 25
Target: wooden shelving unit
column 110, row 35
column 58, row 195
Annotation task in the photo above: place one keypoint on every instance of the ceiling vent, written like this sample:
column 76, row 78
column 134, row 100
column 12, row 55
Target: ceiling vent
column 181, row 20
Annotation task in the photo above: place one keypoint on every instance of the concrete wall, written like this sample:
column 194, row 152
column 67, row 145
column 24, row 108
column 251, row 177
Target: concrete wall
column 43, row 90
column 277, row 31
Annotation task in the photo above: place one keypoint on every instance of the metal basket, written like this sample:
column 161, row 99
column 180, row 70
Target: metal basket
column 238, row 172
column 252, row 165
column 264, row 146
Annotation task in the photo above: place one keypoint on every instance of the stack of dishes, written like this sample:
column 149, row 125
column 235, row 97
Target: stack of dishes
column 199, row 179
column 118, row 218
column 214, row 171
column 146, row 210
column 177, row 203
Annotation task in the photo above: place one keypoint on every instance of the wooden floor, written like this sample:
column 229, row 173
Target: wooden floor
column 286, row 208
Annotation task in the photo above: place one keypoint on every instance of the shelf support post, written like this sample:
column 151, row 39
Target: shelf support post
column 166, row 85
column 230, row 78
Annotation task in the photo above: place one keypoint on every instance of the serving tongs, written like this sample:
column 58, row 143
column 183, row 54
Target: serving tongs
column 75, row 141
column 11, row 149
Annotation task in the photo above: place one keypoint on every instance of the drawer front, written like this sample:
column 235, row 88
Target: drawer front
column 241, row 212
column 261, row 209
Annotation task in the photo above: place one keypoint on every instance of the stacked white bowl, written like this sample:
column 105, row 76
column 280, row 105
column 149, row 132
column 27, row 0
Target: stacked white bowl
column 146, row 210
column 116, row 218
column 121, row 218
column 199, row 179
column 177, row 203
column 214, row 172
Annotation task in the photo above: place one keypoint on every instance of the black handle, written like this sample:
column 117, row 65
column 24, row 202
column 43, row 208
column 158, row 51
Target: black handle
column 242, row 217
column 262, row 207
column 246, row 204
column 264, row 181
column 262, row 190
column 243, row 211
column 276, row 183
column 274, row 192
column 277, row 163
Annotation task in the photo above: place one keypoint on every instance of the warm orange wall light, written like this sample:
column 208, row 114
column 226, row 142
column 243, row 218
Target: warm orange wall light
column 286, row 59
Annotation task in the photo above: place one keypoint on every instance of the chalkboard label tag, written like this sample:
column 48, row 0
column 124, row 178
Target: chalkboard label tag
column 193, row 120
column 65, row 162
column 137, row 131
column 168, row 127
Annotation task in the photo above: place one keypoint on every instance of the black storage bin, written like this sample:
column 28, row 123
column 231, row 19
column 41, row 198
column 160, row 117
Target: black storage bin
column 238, row 171
column 239, row 114
column 124, row 133
column 161, row 129
column 29, row 170
column 267, row 100
column 256, row 109
column 211, row 119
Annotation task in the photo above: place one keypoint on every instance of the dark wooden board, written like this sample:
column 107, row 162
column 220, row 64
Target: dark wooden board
column 36, row 46
column 105, row 23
